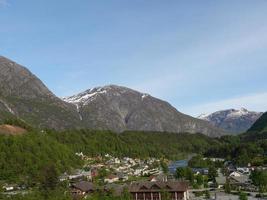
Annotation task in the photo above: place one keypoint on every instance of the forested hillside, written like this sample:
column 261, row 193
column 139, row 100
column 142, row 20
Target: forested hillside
column 27, row 155
column 240, row 149
column 134, row 144
column 258, row 131
column 22, row 158
column 260, row 124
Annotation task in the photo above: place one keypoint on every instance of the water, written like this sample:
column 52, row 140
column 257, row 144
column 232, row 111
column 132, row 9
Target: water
column 178, row 163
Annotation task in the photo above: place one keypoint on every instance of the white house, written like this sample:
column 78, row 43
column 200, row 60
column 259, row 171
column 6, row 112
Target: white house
column 111, row 179
column 235, row 174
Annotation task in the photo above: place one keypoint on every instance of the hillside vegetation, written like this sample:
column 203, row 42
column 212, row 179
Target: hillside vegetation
column 134, row 144
column 260, row 124
column 23, row 157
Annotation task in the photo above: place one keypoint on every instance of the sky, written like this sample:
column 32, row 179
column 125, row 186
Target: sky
column 200, row 56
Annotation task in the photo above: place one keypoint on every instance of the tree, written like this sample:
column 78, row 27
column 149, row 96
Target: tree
column 227, row 187
column 165, row 195
column 164, row 167
column 212, row 173
column 198, row 162
column 189, row 175
column 180, row 173
column 243, row 196
column 102, row 173
column 259, row 178
column 126, row 195
column 49, row 178
column 207, row 194
column 199, row 179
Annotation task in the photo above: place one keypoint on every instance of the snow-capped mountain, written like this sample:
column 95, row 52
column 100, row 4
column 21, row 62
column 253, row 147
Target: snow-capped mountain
column 232, row 120
column 119, row 108
column 90, row 95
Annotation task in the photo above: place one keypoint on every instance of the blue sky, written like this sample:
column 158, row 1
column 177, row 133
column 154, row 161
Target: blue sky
column 201, row 56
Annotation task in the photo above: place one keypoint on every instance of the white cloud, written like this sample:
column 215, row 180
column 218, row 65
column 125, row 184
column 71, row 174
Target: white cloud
column 254, row 102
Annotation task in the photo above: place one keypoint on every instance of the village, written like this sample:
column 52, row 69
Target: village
column 117, row 173
column 146, row 179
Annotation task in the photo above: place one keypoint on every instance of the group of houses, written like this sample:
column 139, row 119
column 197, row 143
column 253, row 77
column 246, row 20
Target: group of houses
column 131, row 166
column 237, row 177
column 120, row 169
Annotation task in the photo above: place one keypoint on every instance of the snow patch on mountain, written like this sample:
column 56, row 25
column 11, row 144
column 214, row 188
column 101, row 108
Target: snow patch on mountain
column 85, row 97
column 144, row 96
column 203, row 116
column 232, row 120
column 90, row 95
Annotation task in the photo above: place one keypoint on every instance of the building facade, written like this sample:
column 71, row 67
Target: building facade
column 159, row 190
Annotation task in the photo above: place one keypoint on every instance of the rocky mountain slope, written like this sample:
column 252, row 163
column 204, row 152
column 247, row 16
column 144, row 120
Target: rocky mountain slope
column 234, row 121
column 119, row 108
column 24, row 96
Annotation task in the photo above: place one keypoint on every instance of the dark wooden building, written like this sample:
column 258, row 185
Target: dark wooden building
column 158, row 190
column 82, row 189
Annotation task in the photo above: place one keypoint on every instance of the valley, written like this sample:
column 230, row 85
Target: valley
column 111, row 142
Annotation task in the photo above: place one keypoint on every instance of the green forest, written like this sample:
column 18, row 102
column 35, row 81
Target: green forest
column 23, row 157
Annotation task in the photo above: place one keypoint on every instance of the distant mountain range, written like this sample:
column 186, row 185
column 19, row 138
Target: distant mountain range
column 24, row 96
column 231, row 120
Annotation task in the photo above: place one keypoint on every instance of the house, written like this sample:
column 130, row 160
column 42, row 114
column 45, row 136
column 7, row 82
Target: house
column 203, row 171
column 138, row 172
column 115, row 189
column 160, row 177
column 78, row 174
column 122, row 176
column 235, row 174
column 230, row 166
column 243, row 170
column 63, row 177
column 82, row 189
column 239, row 182
column 111, row 179
column 157, row 190
column 94, row 172
column 9, row 188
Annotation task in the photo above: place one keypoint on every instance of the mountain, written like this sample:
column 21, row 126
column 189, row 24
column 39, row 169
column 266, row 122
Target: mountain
column 119, row 108
column 234, row 121
column 115, row 108
column 260, row 125
column 258, row 131
column 24, row 96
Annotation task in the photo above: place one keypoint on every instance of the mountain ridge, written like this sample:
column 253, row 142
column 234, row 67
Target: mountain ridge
column 232, row 120
column 134, row 110
column 23, row 95
column 115, row 108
